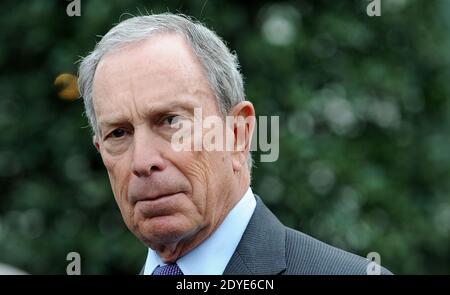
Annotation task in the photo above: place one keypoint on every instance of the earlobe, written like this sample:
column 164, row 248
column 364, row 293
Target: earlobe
column 238, row 161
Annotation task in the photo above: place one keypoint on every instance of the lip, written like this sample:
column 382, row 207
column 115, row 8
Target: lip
column 155, row 197
column 157, row 206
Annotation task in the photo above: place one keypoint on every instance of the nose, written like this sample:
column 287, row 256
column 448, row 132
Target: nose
column 147, row 157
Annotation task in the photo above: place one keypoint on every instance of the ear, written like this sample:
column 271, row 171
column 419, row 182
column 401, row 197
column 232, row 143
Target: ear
column 243, row 124
column 95, row 142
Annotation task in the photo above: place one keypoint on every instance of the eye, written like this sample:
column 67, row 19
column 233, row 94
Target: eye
column 119, row 132
column 172, row 120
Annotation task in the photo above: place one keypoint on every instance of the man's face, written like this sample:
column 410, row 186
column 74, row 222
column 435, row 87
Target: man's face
column 140, row 91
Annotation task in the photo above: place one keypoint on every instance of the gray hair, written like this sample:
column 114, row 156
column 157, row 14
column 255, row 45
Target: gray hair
column 221, row 66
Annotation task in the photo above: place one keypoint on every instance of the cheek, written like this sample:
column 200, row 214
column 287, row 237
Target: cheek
column 118, row 177
column 207, row 174
column 118, row 172
column 192, row 166
column 217, row 168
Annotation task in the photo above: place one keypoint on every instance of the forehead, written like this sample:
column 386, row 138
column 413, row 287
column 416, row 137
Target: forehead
column 153, row 70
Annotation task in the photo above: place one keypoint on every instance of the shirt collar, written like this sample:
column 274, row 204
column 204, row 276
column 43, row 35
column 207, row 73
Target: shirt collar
column 213, row 254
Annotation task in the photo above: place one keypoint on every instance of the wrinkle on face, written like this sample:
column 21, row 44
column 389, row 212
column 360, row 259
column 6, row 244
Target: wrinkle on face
column 132, row 85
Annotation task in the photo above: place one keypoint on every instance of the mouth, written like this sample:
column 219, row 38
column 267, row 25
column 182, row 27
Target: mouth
column 160, row 205
column 155, row 197
column 159, row 197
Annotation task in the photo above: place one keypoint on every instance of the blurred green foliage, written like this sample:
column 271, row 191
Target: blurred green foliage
column 364, row 128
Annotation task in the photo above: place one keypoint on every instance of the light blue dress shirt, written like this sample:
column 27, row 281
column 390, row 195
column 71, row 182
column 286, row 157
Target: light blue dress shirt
column 213, row 254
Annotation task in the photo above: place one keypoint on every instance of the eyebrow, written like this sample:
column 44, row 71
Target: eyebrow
column 114, row 119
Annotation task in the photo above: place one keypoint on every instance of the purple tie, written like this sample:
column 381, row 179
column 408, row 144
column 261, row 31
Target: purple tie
column 168, row 270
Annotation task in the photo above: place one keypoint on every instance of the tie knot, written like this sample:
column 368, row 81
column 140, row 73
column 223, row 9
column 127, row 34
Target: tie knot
column 168, row 270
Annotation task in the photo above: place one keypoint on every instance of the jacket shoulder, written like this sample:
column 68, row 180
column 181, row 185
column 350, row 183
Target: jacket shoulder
column 307, row 255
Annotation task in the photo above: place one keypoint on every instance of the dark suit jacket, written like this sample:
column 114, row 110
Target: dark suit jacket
column 270, row 248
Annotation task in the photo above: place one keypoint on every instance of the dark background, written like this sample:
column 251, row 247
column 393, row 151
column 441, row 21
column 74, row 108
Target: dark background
column 364, row 128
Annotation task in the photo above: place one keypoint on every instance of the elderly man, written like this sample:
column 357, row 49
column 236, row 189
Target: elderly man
column 193, row 208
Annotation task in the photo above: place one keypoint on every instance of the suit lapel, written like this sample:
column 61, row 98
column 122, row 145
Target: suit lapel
column 262, row 248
